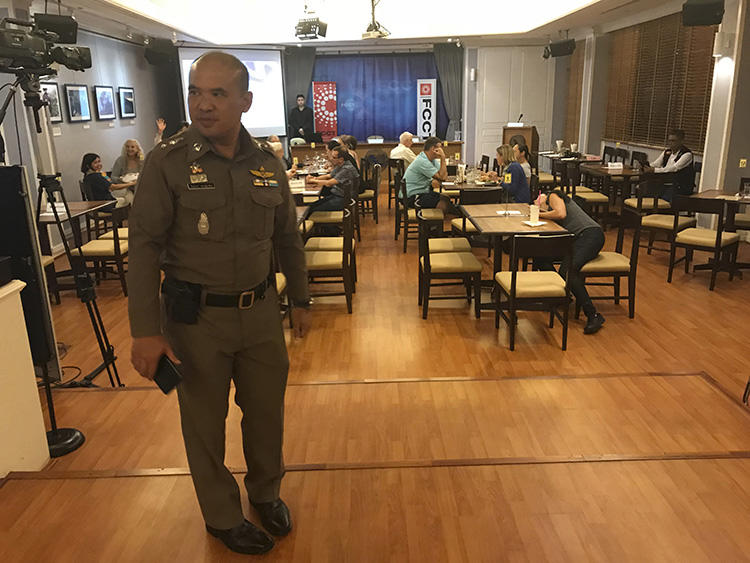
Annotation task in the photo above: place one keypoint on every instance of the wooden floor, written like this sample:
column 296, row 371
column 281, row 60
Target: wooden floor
column 428, row 440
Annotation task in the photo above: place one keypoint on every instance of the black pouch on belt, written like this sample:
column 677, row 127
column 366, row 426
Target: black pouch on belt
column 182, row 300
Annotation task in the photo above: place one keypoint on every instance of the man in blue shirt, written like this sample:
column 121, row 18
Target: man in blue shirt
column 342, row 182
column 426, row 173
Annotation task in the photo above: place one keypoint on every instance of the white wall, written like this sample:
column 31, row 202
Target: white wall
column 511, row 81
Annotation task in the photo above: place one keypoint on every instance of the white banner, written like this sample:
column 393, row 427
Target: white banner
column 426, row 107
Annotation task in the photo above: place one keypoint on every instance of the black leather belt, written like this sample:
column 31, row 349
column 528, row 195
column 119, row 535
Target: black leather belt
column 243, row 300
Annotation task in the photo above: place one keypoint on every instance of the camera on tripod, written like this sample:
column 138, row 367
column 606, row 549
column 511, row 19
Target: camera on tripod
column 33, row 50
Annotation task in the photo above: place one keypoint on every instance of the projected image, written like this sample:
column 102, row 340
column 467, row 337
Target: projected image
column 267, row 115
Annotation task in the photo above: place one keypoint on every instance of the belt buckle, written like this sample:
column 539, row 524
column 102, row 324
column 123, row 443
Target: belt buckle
column 241, row 301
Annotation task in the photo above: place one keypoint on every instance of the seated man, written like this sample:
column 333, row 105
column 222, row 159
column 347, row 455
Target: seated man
column 589, row 240
column 678, row 161
column 278, row 150
column 342, row 182
column 403, row 149
column 426, row 173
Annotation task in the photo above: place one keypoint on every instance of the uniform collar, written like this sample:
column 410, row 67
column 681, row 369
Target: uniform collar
column 198, row 145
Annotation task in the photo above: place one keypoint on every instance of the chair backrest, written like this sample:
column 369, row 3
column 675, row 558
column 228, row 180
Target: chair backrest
column 484, row 163
column 375, row 179
column 608, row 155
column 348, row 227
column 699, row 205
column 426, row 227
column 535, row 246
column 402, row 193
column 630, row 220
column 364, row 170
column 744, row 186
column 621, row 155
column 484, row 195
column 534, row 187
column 639, row 156
column 296, row 141
column 395, row 167
column 85, row 191
column 495, row 165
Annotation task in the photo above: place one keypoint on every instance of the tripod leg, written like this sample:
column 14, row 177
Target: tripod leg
column 60, row 441
column 110, row 351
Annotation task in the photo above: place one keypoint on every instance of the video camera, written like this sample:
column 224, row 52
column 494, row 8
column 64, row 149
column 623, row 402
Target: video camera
column 33, row 51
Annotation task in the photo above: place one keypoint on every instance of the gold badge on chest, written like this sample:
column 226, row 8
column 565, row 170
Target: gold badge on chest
column 263, row 178
column 197, row 175
column 203, row 225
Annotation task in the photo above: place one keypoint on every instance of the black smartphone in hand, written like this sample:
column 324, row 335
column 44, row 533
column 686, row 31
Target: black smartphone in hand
column 168, row 374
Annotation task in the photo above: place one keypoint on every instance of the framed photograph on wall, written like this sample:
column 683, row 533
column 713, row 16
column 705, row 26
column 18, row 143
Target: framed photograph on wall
column 51, row 95
column 127, row 102
column 77, row 96
column 105, row 102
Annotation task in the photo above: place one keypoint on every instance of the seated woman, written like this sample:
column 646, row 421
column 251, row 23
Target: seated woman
column 350, row 142
column 521, row 154
column 512, row 178
column 99, row 186
column 127, row 167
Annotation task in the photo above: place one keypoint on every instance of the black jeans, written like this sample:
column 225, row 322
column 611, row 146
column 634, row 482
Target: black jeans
column 586, row 247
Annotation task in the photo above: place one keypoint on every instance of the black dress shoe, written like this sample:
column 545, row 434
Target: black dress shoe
column 594, row 323
column 274, row 516
column 245, row 538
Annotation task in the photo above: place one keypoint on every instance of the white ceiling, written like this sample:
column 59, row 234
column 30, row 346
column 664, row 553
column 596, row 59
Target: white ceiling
column 256, row 22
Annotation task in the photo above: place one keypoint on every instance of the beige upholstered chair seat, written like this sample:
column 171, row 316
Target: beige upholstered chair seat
column 453, row 263
column 533, row 284
column 704, row 237
column 122, row 232
column 583, row 189
column 327, row 244
column 309, row 199
column 459, row 224
column 546, row 178
column 101, row 248
column 322, row 260
column 457, row 244
column 305, row 226
column 593, row 197
column 280, row 283
column 666, row 222
column 607, row 262
column 47, row 260
column 648, row 203
column 742, row 220
column 451, row 193
column 367, row 194
column 327, row 217
column 428, row 214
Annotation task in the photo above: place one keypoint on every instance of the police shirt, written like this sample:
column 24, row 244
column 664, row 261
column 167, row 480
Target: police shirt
column 206, row 219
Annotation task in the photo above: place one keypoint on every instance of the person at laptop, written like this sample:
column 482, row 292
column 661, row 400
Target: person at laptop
column 676, row 160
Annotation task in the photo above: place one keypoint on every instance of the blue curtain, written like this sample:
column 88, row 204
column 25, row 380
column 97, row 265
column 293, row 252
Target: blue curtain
column 377, row 94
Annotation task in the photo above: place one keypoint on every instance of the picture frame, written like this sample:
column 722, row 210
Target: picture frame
column 51, row 94
column 77, row 99
column 126, row 96
column 105, row 102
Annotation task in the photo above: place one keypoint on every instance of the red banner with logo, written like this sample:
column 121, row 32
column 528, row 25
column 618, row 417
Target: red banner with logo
column 324, row 109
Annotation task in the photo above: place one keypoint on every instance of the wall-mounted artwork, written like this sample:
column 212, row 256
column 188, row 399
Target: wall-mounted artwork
column 51, row 95
column 105, row 102
column 77, row 96
column 127, row 102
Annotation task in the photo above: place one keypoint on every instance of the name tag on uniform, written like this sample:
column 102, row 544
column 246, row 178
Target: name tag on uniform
column 200, row 185
column 507, row 178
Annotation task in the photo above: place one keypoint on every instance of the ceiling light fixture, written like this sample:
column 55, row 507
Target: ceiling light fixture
column 310, row 27
column 375, row 30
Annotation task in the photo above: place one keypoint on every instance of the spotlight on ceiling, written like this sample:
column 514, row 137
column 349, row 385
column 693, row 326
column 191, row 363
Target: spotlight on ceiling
column 310, row 28
column 559, row 48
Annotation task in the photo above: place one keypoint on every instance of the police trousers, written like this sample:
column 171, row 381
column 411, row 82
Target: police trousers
column 245, row 347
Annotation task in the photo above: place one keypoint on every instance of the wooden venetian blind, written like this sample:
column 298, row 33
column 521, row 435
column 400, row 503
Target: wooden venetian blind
column 575, row 86
column 660, row 78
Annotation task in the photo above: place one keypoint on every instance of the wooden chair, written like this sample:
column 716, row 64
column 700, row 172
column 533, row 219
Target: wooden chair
column 462, row 226
column 97, row 222
column 534, row 187
column 484, row 163
column 616, row 265
column 406, row 217
column 741, row 221
column 595, row 203
column 442, row 264
column 336, row 218
column 723, row 245
column 368, row 198
column 105, row 252
column 395, row 167
column 534, row 291
column 335, row 266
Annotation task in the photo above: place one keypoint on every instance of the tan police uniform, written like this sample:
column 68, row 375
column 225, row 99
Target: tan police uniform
column 205, row 219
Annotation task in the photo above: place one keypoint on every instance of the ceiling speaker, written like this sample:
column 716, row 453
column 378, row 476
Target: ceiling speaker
column 560, row 48
column 702, row 12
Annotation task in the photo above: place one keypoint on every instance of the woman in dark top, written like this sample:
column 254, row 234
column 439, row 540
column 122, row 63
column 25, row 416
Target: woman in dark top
column 588, row 242
column 513, row 178
column 98, row 185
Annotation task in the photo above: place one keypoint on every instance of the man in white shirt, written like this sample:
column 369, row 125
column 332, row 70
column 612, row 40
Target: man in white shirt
column 676, row 160
column 403, row 151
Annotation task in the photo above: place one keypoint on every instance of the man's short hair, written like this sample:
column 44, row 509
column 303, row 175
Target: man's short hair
column 431, row 142
column 679, row 133
column 300, row 96
column 332, row 144
column 404, row 137
column 339, row 151
column 242, row 78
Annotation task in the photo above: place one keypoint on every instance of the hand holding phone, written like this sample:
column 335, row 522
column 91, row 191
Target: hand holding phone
column 168, row 375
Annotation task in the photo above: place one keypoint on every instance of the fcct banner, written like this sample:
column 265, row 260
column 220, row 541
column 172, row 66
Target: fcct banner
column 426, row 107
column 324, row 108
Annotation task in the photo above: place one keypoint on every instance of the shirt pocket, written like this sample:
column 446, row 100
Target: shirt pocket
column 202, row 215
column 262, row 212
